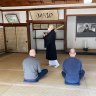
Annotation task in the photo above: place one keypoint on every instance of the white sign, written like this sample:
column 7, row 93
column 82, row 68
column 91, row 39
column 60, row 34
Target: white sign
column 44, row 15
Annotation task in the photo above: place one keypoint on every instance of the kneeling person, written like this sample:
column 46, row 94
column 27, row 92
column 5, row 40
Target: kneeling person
column 32, row 69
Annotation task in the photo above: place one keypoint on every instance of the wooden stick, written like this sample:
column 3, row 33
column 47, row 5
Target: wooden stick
column 59, row 27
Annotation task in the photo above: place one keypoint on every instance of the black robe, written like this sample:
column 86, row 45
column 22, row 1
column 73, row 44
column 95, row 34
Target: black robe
column 49, row 44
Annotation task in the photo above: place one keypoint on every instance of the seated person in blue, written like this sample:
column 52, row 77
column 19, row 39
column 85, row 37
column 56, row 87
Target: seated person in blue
column 32, row 69
column 72, row 69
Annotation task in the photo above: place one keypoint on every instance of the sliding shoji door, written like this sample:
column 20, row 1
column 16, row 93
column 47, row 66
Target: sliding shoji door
column 2, row 45
column 10, row 34
column 16, row 39
column 22, row 40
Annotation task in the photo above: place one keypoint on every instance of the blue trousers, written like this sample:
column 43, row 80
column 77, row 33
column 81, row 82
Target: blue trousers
column 40, row 75
column 81, row 74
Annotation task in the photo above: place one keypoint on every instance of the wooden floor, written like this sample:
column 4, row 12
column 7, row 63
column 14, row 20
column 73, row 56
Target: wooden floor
column 11, row 78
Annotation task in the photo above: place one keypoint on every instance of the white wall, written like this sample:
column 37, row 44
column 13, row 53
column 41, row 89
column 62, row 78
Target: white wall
column 71, row 29
column 61, row 13
column 81, row 11
column 77, row 42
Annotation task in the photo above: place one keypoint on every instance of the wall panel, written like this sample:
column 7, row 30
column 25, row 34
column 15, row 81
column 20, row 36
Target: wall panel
column 2, row 45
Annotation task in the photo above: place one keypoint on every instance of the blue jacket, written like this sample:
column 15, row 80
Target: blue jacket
column 72, row 67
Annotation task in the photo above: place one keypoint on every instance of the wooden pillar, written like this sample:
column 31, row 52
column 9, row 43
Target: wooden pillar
column 28, row 30
column 65, row 30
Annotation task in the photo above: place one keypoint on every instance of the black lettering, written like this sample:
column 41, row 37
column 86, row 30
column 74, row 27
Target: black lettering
column 39, row 15
column 44, row 15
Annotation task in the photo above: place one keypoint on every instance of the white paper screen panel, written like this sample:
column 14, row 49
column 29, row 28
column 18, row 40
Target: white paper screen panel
column 59, row 44
column 59, row 33
column 0, row 17
column 39, row 33
column 40, row 44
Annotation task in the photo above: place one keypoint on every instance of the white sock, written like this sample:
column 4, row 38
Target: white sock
column 57, row 64
column 53, row 63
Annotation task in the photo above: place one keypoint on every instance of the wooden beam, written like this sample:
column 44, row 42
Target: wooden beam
column 46, row 21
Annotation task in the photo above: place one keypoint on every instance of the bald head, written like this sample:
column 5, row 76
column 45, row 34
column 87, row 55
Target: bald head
column 51, row 27
column 72, row 53
column 32, row 53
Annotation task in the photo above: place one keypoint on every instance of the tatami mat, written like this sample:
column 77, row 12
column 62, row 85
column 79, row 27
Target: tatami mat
column 44, row 91
column 4, row 88
column 11, row 78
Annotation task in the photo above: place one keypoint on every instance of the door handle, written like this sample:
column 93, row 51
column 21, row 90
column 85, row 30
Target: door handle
column 26, row 41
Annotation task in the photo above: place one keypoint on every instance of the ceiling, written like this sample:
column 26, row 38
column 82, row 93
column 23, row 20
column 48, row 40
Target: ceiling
column 7, row 3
